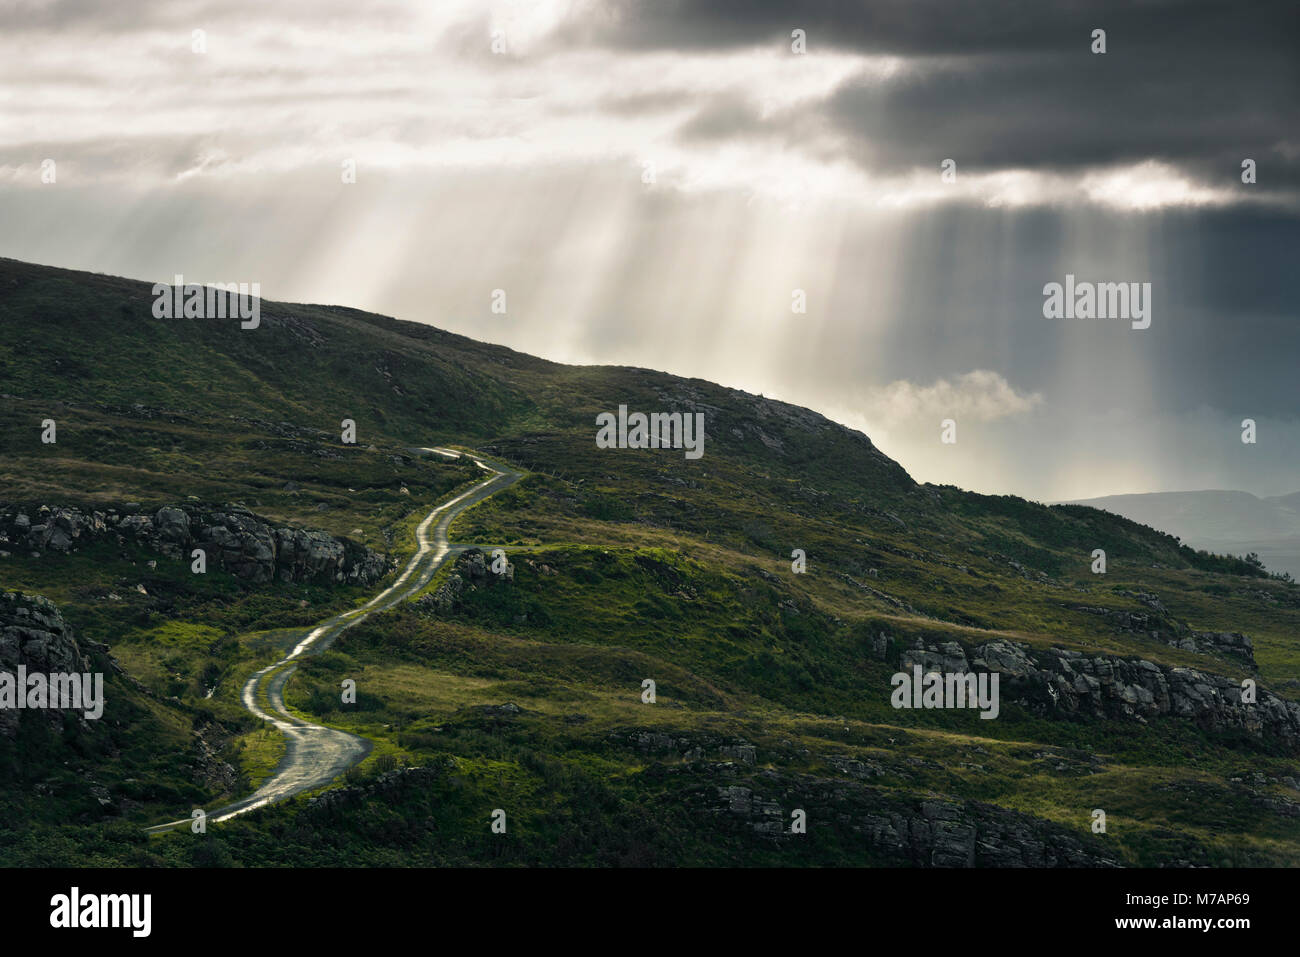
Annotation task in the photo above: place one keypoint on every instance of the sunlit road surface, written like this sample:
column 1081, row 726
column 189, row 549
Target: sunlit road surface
column 315, row 755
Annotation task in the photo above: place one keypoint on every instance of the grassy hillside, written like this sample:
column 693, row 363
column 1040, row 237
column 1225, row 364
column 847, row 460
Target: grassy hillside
column 773, row 688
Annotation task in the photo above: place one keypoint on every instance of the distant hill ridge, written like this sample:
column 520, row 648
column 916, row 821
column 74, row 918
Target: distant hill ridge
column 1218, row 520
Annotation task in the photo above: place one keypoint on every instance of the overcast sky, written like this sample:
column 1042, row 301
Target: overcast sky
column 649, row 182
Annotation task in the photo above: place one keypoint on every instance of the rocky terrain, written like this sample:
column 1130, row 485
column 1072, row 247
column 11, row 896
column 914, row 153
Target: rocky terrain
column 1160, row 625
column 232, row 537
column 524, row 690
column 929, row 833
column 1060, row 683
column 473, row 570
column 33, row 634
column 895, row 830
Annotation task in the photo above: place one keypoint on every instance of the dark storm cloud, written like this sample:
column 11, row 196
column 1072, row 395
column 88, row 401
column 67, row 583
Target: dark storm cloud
column 1014, row 85
column 934, row 27
column 1068, row 112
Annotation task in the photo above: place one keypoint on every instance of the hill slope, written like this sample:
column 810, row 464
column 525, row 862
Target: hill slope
column 1120, row 691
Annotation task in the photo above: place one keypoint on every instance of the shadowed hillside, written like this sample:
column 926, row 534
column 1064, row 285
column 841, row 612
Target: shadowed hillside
column 1119, row 691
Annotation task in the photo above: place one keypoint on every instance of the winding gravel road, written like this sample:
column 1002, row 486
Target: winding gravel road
column 315, row 755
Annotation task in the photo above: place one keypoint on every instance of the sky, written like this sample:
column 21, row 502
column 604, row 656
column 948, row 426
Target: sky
column 661, row 184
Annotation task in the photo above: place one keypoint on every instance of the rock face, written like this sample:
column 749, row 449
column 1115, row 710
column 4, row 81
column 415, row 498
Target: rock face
column 693, row 746
column 208, row 769
column 1056, row 682
column 388, row 785
column 233, row 538
column 472, row 571
column 1159, row 625
column 34, row 634
column 895, row 830
column 1219, row 642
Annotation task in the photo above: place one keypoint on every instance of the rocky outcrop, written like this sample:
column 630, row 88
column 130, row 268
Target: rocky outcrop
column 692, row 746
column 894, row 830
column 209, row 770
column 34, row 634
column 887, row 599
column 947, row 656
column 1159, row 625
column 389, row 786
column 233, row 538
column 1055, row 682
column 500, row 711
column 1231, row 643
column 472, row 571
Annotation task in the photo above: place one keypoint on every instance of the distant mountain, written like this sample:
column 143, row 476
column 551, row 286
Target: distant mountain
column 1291, row 502
column 1219, row 521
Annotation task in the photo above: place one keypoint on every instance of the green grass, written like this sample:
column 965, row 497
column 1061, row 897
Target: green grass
column 627, row 566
